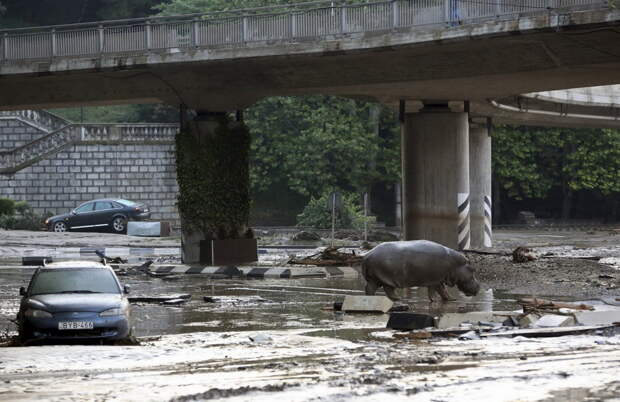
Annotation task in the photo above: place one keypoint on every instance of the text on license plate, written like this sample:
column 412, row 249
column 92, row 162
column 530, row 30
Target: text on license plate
column 75, row 325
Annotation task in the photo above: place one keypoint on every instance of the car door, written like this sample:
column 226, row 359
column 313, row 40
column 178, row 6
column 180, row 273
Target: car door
column 82, row 216
column 104, row 211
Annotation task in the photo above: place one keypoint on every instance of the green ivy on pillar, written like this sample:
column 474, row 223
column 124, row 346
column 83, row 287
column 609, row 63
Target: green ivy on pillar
column 214, row 181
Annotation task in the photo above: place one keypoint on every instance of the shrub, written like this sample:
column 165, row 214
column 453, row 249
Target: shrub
column 7, row 206
column 25, row 219
column 317, row 213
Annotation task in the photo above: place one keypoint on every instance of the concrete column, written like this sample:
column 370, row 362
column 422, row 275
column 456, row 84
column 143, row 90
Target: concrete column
column 480, row 186
column 435, row 158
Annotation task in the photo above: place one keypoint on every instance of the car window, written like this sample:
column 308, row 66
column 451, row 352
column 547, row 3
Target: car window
column 117, row 205
column 86, row 280
column 127, row 202
column 101, row 205
column 85, row 208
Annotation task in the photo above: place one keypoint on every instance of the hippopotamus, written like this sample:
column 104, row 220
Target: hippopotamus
column 402, row 264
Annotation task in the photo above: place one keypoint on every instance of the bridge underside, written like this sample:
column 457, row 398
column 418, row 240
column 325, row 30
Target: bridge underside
column 491, row 60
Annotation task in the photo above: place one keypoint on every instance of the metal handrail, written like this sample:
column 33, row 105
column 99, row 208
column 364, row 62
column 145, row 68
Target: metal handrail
column 302, row 21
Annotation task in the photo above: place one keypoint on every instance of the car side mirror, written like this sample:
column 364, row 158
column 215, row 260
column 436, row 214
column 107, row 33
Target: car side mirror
column 74, row 212
column 22, row 291
column 126, row 289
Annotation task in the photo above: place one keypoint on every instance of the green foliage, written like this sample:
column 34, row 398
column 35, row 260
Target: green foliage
column 213, row 178
column 139, row 113
column 314, row 143
column 25, row 219
column 7, row 207
column 317, row 213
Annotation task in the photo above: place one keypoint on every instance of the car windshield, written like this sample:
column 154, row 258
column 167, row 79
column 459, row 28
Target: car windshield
column 127, row 202
column 74, row 280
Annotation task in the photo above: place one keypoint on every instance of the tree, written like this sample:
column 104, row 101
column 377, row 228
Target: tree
column 316, row 142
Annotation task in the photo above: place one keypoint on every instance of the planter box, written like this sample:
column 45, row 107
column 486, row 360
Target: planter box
column 228, row 252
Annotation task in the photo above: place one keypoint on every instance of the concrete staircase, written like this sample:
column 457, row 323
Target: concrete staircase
column 62, row 134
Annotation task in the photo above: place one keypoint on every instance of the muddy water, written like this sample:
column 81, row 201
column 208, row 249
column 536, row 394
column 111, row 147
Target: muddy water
column 252, row 305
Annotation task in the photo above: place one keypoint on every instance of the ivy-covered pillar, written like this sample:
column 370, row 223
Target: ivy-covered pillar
column 212, row 157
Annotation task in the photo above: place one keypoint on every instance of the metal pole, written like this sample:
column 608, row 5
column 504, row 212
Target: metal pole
column 365, row 216
column 333, row 216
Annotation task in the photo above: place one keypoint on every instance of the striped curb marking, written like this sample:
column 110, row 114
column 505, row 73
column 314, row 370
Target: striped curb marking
column 254, row 272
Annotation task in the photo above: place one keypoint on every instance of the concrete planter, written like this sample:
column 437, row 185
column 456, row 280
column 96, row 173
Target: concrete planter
column 228, row 252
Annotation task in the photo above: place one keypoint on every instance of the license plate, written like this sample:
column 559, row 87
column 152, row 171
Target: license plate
column 75, row 325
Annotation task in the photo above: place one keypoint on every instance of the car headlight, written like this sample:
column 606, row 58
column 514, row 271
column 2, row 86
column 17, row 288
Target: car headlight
column 33, row 313
column 47, row 221
column 111, row 312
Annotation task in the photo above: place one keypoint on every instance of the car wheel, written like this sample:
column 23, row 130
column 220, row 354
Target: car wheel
column 119, row 224
column 60, row 227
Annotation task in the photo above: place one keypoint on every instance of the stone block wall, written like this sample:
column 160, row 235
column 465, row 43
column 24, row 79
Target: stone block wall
column 141, row 172
column 14, row 133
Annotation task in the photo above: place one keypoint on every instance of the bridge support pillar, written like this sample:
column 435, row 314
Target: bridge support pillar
column 435, row 170
column 212, row 158
column 480, row 185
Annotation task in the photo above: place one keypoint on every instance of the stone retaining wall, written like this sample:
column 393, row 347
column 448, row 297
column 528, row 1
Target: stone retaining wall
column 81, row 172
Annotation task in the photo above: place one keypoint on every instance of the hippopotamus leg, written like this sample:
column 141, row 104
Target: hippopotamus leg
column 441, row 290
column 371, row 288
column 391, row 292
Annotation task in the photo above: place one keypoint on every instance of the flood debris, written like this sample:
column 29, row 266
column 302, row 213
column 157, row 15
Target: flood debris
column 330, row 256
column 260, row 338
column 410, row 321
column 306, row 236
column 414, row 335
column 554, row 321
column 536, row 305
column 235, row 299
column 159, row 298
column 142, row 269
column 522, row 254
column 109, row 260
column 174, row 302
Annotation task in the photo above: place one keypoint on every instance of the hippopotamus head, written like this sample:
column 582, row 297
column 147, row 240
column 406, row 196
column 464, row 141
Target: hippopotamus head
column 463, row 277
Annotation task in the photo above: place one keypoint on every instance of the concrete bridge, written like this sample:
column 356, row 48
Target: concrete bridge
column 445, row 63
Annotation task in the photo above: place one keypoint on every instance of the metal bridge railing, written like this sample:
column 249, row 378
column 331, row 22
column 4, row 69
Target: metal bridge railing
column 302, row 21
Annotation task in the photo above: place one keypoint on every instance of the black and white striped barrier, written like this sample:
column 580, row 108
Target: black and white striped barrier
column 488, row 228
column 463, row 237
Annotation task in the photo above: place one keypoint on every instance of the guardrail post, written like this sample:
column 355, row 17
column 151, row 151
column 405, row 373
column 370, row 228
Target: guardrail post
column 293, row 25
column 343, row 18
column 101, row 40
column 149, row 35
column 54, row 49
column 395, row 14
column 195, row 32
column 245, row 29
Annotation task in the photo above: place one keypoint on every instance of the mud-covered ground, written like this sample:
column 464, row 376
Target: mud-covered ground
column 268, row 339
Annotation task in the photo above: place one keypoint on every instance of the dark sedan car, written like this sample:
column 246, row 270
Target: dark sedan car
column 112, row 213
column 74, row 300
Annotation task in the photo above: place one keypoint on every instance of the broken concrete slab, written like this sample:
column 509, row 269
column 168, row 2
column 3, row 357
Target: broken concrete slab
column 453, row 320
column 554, row 321
column 144, row 229
column 174, row 302
column 551, row 332
column 367, row 304
column 410, row 321
column 597, row 317
column 528, row 320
